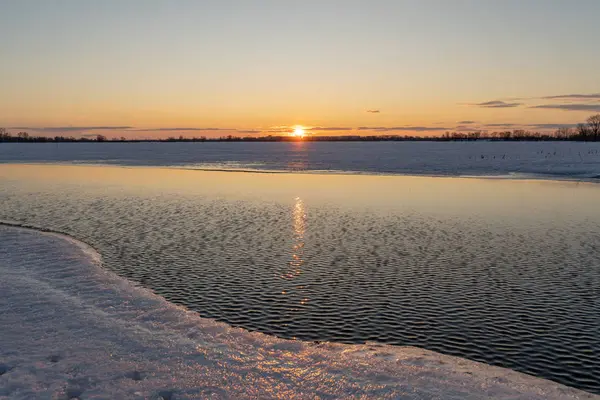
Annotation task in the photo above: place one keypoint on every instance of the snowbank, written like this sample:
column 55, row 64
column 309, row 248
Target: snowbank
column 70, row 329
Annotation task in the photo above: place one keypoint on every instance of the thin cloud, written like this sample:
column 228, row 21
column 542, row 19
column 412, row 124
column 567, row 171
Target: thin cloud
column 551, row 126
column 72, row 128
column 570, row 107
column 328, row 128
column 374, row 111
column 497, row 104
column 540, row 126
column 180, row 129
column 467, row 128
column 500, row 125
column 250, row 132
column 287, row 129
column 466, row 122
column 280, row 129
column 591, row 96
column 403, row 128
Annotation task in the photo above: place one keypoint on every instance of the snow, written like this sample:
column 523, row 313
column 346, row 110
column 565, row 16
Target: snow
column 563, row 160
column 71, row 329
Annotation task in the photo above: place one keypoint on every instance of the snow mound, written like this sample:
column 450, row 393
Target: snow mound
column 71, row 329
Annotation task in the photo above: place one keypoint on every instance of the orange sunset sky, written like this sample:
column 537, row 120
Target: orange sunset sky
column 144, row 69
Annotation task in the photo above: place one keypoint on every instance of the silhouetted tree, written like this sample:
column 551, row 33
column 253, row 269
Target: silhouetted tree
column 582, row 132
column 24, row 136
column 507, row 135
column 563, row 133
column 593, row 124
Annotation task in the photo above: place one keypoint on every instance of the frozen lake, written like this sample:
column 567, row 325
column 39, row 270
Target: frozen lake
column 545, row 159
column 500, row 271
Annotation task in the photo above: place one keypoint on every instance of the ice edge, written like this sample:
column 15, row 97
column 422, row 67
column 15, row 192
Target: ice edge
column 370, row 370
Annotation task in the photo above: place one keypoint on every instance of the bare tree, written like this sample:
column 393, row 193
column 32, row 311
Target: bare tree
column 593, row 125
column 519, row 134
column 582, row 131
column 563, row 133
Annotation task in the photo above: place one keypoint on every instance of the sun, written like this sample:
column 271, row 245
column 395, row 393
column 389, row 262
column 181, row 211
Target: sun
column 299, row 131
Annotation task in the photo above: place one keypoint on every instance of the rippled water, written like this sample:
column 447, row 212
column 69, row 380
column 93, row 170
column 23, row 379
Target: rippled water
column 504, row 272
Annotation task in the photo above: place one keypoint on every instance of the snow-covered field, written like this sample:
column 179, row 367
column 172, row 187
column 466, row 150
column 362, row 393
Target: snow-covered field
column 70, row 329
column 565, row 160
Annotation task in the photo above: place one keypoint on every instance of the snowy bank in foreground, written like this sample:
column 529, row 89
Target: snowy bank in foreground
column 73, row 330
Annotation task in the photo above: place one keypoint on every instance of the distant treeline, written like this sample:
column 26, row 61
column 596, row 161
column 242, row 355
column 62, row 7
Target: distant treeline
column 588, row 132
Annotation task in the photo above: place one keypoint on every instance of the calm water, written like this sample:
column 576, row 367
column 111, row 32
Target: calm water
column 499, row 271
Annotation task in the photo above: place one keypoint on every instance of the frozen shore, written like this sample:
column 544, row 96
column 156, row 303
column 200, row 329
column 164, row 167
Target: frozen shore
column 71, row 329
column 545, row 160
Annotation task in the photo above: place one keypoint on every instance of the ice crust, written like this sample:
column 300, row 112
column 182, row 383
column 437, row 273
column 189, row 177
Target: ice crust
column 556, row 160
column 70, row 329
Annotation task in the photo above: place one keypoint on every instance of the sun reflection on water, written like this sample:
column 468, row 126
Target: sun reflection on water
column 299, row 226
column 294, row 266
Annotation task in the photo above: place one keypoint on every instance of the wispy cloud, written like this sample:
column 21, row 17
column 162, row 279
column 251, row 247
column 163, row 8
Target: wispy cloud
column 570, row 107
column 288, row 129
column 497, row 104
column 328, row 128
column 374, row 111
column 130, row 129
column 513, row 126
column 71, row 128
column 169, row 129
column 551, row 126
column 280, row 129
column 248, row 132
column 580, row 97
column 467, row 128
column 542, row 126
column 403, row 128
column 468, row 122
column 501, row 125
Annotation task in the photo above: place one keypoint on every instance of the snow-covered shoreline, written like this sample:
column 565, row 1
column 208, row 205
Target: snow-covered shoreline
column 71, row 329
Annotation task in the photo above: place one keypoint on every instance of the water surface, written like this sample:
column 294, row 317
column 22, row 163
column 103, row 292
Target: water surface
column 500, row 271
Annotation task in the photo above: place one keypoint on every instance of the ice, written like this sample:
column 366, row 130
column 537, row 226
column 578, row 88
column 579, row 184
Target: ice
column 71, row 329
column 559, row 160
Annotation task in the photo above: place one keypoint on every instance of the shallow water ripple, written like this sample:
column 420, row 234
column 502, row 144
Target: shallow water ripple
column 524, row 296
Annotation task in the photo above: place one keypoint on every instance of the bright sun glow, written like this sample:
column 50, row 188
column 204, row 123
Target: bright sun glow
column 299, row 131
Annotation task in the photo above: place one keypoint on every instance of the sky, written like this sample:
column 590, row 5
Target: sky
column 152, row 68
